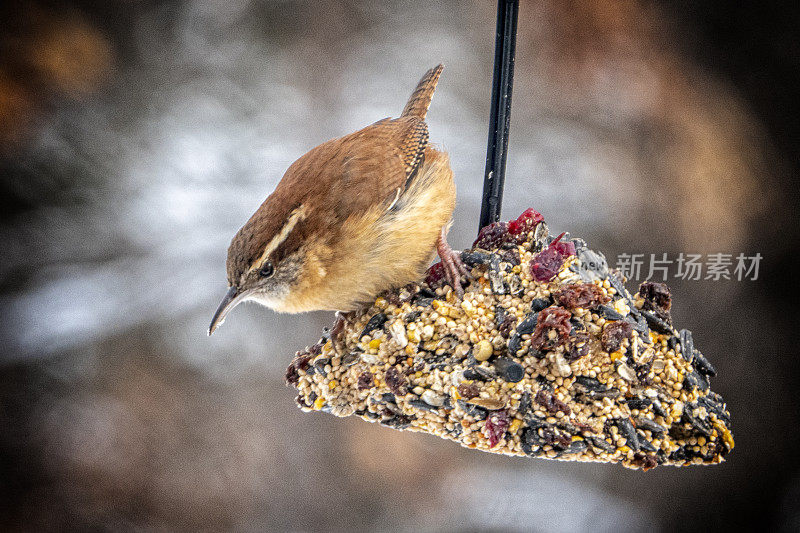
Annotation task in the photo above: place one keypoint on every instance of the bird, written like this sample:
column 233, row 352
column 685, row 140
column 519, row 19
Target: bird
column 354, row 217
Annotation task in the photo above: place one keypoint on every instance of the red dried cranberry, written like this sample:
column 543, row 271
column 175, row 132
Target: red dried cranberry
column 546, row 264
column 614, row 333
column 548, row 400
column 496, row 425
column 491, row 236
column 366, row 381
column 435, row 275
column 551, row 319
column 524, row 224
column 586, row 295
column 564, row 248
column 395, row 381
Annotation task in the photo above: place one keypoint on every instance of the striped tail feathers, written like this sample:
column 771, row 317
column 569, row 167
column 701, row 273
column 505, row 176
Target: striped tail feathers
column 420, row 100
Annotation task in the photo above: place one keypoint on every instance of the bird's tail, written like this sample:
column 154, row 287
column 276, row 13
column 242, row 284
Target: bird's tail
column 420, row 100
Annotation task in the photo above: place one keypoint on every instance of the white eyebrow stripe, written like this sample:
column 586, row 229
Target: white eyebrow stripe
column 297, row 215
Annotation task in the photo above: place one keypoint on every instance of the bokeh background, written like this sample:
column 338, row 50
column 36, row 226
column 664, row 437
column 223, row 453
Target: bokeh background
column 136, row 136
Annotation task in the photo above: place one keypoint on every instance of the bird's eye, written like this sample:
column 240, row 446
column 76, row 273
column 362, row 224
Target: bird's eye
column 267, row 270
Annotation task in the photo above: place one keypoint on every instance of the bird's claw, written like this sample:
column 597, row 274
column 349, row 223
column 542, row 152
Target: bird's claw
column 454, row 268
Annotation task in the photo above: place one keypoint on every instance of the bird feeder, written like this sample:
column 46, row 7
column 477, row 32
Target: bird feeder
column 546, row 355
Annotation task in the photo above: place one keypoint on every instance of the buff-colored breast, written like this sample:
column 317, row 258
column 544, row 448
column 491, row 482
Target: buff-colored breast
column 381, row 248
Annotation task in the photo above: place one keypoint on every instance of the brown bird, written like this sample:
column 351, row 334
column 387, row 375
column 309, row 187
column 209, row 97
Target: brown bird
column 351, row 218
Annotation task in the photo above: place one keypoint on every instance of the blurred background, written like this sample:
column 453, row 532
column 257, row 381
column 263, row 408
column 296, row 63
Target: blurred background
column 136, row 137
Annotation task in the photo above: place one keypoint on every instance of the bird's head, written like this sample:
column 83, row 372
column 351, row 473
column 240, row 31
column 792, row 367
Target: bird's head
column 266, row 260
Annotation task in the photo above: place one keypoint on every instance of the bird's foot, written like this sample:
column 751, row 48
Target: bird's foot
column 454, row 268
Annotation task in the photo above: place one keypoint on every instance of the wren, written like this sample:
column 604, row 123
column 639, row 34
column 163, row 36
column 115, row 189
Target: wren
column 351, row 218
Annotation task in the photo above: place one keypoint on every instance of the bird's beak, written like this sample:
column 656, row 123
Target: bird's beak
column 231, row 300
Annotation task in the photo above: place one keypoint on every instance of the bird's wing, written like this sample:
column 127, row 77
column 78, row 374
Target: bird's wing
column 380, row 161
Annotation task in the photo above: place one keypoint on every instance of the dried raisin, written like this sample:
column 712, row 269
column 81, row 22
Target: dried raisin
column 366, row 381
column 292, row 373
column 548, row 400
column 552, row 328
column 492, row 236
column 657, row 298
column 586, row 295
column 614, row 333
column 578, row 347
column 468, row 390
column 395, row 381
